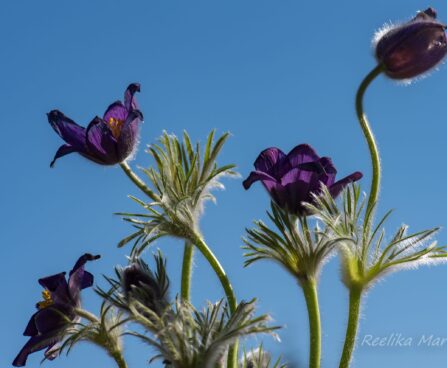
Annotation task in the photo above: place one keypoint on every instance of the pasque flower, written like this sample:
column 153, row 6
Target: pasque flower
column 139, row 283
column 293, row 178
column 106, row 141
column 412, row 48
column 60, row 299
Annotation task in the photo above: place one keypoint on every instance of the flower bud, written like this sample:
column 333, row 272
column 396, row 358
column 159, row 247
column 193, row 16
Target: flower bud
column 140, row 283
column 412, row 48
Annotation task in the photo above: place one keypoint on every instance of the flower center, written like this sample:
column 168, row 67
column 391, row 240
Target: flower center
column 47, row 301
column 115, row 126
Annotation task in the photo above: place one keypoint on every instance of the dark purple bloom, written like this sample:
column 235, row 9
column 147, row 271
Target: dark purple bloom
column 106, row 141
column 138, row 282
column 60, row 298
column 412, row 48
column 292, row 179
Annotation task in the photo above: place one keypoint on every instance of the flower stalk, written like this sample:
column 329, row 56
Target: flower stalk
column 228, row 289
column 355, row 291
column 369, row 136
column 309, row 287
column 119, row 359
column 138, row 181
column 355, row 300
column 188, row 256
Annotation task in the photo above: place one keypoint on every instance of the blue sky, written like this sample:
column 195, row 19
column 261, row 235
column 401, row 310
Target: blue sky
column 273, row 73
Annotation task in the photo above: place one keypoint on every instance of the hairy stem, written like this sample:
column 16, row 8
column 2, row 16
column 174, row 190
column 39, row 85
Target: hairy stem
column 311, row 295
column 355, row 299
column 367, row 132
column 188, row 256
column 119, row 359
column 228, row 289
column 138, row 182
column 87, row 315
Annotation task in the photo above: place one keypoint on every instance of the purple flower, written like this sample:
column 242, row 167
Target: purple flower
column 106, row 141
column 139, row 283
column 412, row 48
column 60, row 298
column 292, row 179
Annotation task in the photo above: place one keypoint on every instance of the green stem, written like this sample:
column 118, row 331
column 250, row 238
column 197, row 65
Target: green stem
column 138, row 182
column 311, row 295
column 355, row 299
column 367, row 132
column 188, row 256
column 87, row 315
column 118, row 357
column 228, row 289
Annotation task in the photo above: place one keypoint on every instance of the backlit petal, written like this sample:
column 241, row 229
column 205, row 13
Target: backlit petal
column 67, row 129
column 336, row 188
column 130, row 102
column 100, row 142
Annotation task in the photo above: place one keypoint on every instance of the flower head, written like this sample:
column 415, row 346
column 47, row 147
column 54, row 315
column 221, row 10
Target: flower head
column 412, row 48
column 106, row 141
column 60, row 298
column 139, row 283
column 294, row 178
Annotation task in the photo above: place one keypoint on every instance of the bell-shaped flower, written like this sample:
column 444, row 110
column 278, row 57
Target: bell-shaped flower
column 106, row 141
column 293, row 179
column 60, row 299
column 412, row 48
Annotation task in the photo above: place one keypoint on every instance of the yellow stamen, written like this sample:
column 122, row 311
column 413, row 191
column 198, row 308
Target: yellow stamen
column 47, row 301
column 115, row 126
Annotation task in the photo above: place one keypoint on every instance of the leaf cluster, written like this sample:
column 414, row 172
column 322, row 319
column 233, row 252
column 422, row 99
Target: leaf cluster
column 366, row 252
column 104, row 331
column 259, row 358
column 300, row 249
column 183, row 178
column 185, row 337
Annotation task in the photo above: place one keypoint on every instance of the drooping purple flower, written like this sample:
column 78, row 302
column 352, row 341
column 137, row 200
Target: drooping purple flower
column 106, row 141
column 60, row 298
column 412, row 48
column 292, row 179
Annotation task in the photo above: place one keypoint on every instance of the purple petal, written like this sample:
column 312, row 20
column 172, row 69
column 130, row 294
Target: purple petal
column 296, row 193
column 129, row 135
column 297, row 174
column 31, row 328
column 63, row 151
column 329, row 169
column 255, row 176
column 79, row 278
column 318, row 171
column 67, row 129
column 267, row 160
column 116, row 111
column 51, row 283
column 100, row 142
column 52, row 317
column 336, row 188
column 302, row 154
column 34, row 344
column 49, row 323
column 130, row 102
column 57, row 286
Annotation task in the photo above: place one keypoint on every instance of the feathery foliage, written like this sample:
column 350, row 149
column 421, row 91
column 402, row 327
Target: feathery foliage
column 259, row 358
column 366, row 253
column 183, row 180
column 188, row 338
column 104, row 331
column 301, row 250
